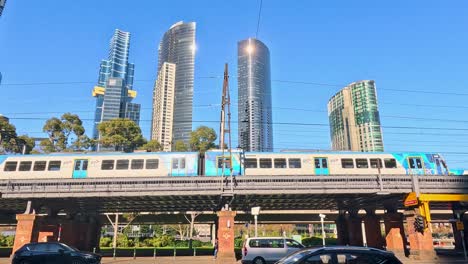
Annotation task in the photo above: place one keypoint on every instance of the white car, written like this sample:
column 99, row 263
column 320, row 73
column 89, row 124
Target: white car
column 263, row 250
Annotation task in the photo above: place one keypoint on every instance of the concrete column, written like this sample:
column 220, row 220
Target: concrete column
column 373, row 232
column 225, row 236
column 354, row 229
column 457, row 234
column 342, row 229
column 395, row 233
column 421, row 244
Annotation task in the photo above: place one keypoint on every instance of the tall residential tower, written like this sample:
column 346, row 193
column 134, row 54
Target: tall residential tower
column 354, row 118
column 178, row 47
column 254, row 92
column 114, row 89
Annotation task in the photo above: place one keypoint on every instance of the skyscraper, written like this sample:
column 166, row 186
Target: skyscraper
column 114, row 89
column 163, row 106
column 254, row 84
column 354, row 118
column 178, row 47
column 2, row 6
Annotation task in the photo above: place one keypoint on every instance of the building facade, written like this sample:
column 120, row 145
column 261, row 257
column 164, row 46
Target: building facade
column 354, row 118
column 254, row 96
column 2, row 6
column 113, row 91
column 163, row 106
column 178, row 47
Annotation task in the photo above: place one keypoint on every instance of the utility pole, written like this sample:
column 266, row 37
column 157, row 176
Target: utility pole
column 225, row 127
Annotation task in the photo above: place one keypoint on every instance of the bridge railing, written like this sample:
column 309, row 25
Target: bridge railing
column 243, row 185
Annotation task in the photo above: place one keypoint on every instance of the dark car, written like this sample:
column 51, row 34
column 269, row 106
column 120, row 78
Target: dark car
column 53, row 253
column 340, row 255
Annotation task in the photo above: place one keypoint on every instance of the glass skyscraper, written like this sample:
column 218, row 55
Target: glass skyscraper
column 178, row 47
column 254, row 92
column 2, row 6
column 354, row 118
column 114, row 88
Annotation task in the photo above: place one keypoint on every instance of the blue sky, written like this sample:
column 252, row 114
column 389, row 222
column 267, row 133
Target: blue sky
column 402, row 45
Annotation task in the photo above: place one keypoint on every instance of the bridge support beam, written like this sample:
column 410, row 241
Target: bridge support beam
column 395, row 233
column 225, row 236
column 421, row 244
column 342, row 228
column 373, row 231
column 354, row 224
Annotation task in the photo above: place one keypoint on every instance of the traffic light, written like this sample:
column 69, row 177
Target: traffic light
column 419, row 224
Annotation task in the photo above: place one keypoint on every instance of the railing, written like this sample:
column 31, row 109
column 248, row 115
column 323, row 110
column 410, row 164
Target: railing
column 243, row 185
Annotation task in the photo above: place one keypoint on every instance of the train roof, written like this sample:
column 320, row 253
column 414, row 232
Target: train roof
column 101, row 154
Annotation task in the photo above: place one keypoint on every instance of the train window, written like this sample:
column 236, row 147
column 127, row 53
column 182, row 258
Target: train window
column 265, row 163
column 182, row 163
column 251, row 163
column 227, row 161
column 10, row 166
column 137, row 164
column 324, row 164
column 122, row 164
column 152, row 164
column 54, row 165
column 415, row 163
column 294, row 163
column 362, row 163
column 40, row 165
column 107, row 165
column 25, row 166
column 280, row 163
column 376, row 163
column 390, row 163
column 85, row 165
column 175, row 163
column 347, row 163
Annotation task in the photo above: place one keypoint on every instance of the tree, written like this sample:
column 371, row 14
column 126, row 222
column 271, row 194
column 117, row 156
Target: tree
column 180, row 146
column 26, row 142
column 202, row 139
column 10, row 142
column 121, row 134
column 152, row 146
column 65, row 134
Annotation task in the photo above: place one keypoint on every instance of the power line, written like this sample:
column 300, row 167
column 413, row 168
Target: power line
column 258, row 20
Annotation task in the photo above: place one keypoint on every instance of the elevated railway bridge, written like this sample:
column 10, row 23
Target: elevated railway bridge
column 83, row 200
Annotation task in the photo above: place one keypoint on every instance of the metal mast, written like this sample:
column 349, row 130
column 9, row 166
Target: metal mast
column 225, row 126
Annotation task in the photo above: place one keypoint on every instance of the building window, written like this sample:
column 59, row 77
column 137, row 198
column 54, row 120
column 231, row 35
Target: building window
column 25, row 166
column 347, row 163
column 107, row 165
column 362, row 164
column 54, row 165
column 294, row 163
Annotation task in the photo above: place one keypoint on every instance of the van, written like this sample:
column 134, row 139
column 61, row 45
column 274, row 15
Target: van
column 263, row 250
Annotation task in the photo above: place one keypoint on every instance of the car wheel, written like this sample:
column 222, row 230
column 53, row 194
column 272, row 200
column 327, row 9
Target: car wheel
column 77, row 261
column 258, row 260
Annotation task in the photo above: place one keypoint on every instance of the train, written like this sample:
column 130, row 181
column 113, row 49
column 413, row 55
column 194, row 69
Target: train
column 219, row 163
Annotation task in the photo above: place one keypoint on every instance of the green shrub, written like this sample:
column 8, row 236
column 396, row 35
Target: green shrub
column 317, row 241
column 105, row 242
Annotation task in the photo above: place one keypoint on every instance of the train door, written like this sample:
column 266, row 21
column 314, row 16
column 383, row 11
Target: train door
column 178, row 167
column 80, row 170
column 321, row 166
column 415, row 165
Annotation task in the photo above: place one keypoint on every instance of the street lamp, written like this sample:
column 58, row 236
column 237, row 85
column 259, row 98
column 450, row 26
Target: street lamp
column 255, row 212
column 322, row 216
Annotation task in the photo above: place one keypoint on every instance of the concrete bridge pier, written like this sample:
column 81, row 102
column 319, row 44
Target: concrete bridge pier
column 395, row 238
column 421, row 244
column 342, row 228
column 373, row 231
column 225, row 235
column 354, row 223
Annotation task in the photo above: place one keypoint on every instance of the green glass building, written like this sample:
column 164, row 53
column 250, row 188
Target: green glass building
column 354, row 118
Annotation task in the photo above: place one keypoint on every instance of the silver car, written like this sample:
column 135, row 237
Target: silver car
column 263, row 250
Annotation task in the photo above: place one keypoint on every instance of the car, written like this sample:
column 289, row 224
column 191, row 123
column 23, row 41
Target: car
column 53, row 253
column 340, row 255
column 263, row 250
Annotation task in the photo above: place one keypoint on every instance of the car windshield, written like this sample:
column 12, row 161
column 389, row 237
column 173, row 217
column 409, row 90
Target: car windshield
column 293, row 258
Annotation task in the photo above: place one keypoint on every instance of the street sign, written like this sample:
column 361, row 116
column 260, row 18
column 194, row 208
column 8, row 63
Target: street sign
column 460, row 226
column 411, row 199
